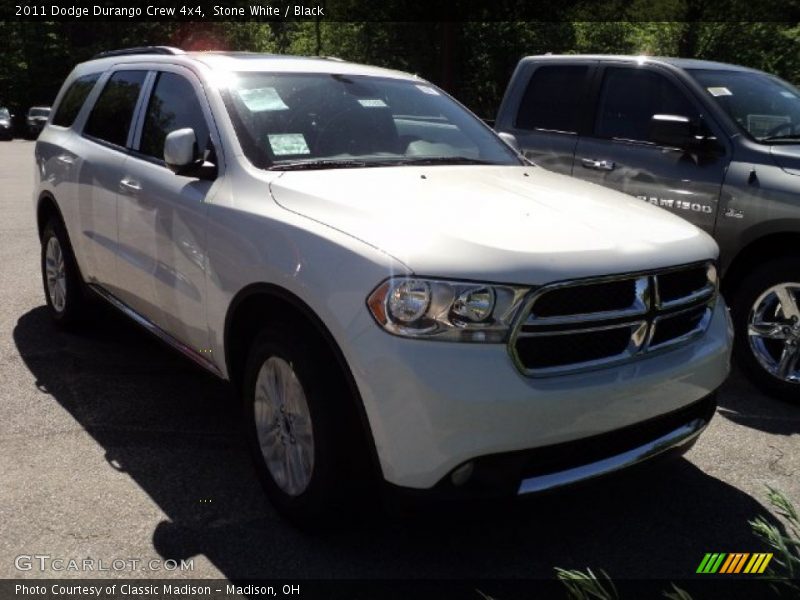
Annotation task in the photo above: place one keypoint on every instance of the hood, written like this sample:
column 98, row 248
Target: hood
column 501, row 224
column 787, row 157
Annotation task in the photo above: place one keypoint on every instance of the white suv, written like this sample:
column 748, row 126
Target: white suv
column 395, row 294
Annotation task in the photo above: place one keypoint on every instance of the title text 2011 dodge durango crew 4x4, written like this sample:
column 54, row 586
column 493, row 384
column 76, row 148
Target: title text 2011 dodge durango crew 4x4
column 392, row 290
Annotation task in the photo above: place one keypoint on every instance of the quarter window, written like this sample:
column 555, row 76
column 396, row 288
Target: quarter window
column 173, row 105
column 552, row 99
column 111, row 116
column 73, row 99
column 630, row 97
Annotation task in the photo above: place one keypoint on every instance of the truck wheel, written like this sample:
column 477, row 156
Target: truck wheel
column 63, row 286
column 299, row 435
column 766, row 313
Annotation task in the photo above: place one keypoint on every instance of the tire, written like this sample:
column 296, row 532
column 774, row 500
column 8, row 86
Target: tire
column 308, row 424
column 61, row 278
column 765, row 332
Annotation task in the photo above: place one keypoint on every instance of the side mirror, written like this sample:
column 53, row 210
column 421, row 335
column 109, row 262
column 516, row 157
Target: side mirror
column 675, row 131
column 511, row 140
column 180, row 151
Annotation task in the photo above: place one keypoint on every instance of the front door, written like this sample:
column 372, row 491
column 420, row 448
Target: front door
column 620, row 153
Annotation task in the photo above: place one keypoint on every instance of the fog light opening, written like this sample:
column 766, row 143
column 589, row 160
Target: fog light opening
column 461, row 475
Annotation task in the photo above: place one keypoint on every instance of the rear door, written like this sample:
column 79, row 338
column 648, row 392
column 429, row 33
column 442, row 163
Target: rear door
column 546, row 110
column 619, row 153
column 103, row 149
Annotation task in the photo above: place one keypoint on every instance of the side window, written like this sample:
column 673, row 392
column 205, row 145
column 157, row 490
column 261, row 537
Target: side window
column 630, row 97
column 552, row 99
column 111, row 116
column 73, row 99
column 173, row 105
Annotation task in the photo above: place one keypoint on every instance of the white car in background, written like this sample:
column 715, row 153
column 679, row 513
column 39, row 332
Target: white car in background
column 395, row 294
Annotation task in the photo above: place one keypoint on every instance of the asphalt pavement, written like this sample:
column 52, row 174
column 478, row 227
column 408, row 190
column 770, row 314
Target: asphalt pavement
column 113, row 447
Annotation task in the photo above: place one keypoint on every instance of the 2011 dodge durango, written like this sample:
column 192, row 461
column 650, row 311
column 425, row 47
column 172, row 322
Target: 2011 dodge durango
column 395, row 294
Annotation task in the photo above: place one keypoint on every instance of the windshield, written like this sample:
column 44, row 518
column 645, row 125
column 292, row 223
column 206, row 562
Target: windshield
column 4, row 114
column 39, row 112
column 766, row 108
column 310, row 120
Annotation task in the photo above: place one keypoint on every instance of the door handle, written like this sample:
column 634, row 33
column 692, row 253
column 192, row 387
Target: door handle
column 128, row 186
column 600, row 165
column 65, row 159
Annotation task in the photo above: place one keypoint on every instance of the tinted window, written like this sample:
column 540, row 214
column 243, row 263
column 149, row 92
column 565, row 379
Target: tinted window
column 73, row 99
column 173, row 105
column 552, row 99
column 112, row 114
column 629, row 99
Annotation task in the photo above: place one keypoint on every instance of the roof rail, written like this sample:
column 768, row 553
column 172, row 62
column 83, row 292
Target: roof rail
column 139, row 50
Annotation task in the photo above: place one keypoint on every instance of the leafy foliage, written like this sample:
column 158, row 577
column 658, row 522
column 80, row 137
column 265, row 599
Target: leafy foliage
column 473, row 60
column 784, row 569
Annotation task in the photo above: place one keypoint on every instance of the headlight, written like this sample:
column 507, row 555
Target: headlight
column 446, row 310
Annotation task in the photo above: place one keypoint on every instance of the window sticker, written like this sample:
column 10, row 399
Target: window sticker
column 262, row 99
column 284, row 144
column 428, row 90
column 763, row 125
column 372, row 103
column 719, row 91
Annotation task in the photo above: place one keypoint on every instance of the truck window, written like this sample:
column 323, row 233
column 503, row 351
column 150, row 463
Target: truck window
column 764, row 107
column 111, row 115
column 552, row 99
column 173, row 105
column 630, row 97
column 74, row 97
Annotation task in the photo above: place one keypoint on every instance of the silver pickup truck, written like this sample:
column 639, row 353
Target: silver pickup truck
column 715, row 143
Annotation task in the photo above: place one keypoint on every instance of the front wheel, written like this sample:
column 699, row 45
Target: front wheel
column 766, row 313
column 301, row 438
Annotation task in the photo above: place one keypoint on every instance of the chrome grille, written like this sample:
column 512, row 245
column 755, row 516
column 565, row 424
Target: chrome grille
column 580, row 325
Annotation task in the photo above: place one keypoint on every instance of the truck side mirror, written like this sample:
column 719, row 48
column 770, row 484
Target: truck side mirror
column 511, row 140
column 180, row 150
column 675, row 131
column 182, row 156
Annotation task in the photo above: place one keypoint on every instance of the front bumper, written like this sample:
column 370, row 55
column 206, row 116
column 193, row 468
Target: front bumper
column 433, row 406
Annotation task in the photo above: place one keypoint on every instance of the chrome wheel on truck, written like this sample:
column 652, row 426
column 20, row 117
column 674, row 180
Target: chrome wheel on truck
column 773, row 331
column 766, row 315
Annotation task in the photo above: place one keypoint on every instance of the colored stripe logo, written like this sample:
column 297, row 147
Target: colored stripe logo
column 734, row 562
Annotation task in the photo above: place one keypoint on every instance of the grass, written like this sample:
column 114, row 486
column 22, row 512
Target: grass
column 782, row 572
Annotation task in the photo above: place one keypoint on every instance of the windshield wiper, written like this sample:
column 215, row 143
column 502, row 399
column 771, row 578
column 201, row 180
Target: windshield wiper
column 789, row 137
column 328, row 163
column 444, row 160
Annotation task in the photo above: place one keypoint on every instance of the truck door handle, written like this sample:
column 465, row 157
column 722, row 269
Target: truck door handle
column 600, row 165
column 128, row 186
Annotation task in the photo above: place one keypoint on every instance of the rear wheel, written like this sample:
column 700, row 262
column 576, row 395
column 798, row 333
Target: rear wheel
column 63, row 287
column 766, row 312
column 302, row 438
